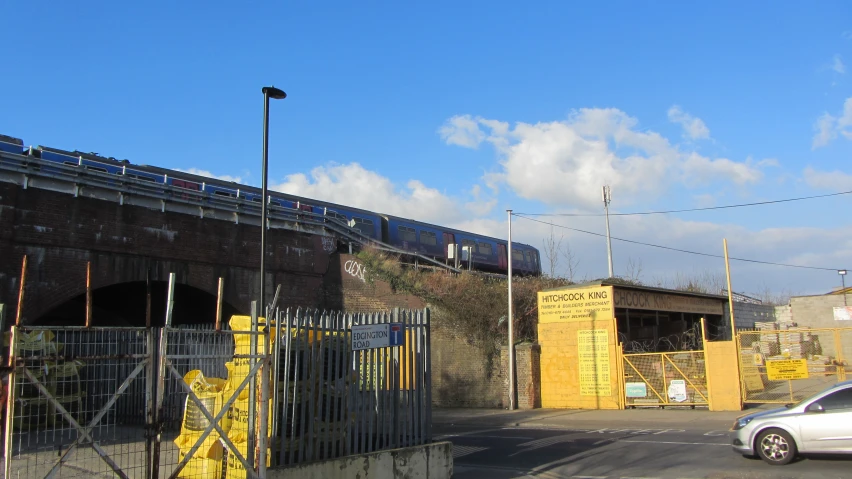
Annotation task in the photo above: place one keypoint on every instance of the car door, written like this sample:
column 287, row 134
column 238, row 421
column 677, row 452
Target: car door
column 831, row 429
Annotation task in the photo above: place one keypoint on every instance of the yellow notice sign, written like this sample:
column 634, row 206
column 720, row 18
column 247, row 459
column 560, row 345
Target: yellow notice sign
column 593, row 350
column 787, row 369
column 578, row 304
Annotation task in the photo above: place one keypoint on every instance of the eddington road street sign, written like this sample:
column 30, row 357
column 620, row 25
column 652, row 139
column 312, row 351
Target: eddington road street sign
column 372, row 336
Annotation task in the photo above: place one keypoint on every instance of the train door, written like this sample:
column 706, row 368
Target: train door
column 502, row 264
column 449, row 239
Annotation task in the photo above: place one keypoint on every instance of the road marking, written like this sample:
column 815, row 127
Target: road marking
column 678, row 442
column 460, row 451
column 589, row 477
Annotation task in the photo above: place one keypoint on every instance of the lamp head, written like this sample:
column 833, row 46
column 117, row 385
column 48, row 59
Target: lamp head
column 274, row 93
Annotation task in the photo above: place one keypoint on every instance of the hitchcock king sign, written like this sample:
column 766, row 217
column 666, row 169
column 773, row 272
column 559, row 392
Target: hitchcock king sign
column 372, row 336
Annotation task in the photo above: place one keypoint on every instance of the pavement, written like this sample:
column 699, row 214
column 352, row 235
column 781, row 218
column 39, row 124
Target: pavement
column 620, row 444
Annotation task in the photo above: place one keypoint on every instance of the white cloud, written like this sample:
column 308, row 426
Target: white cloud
column 828, row 126
column 837, row 65
column 828, row 180
column 462, row 130
column 199, row 172
column 566, row 162
column 698, row 167
column 847, row 35
column 694, row 128
column 353, row 185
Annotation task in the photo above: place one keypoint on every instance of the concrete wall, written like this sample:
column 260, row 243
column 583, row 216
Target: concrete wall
column 746, row 314
column 432, row 461
column 818, row 311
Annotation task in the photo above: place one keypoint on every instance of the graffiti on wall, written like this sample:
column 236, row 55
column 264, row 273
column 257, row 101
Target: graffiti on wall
column 355, row 269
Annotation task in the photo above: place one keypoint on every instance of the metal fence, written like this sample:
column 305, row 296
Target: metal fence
column 178, row 402
column 67, row 413
column 787, row 365
column 333, row 401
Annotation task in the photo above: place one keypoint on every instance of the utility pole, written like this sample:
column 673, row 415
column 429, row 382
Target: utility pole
column 511, row 328
column 607, row 198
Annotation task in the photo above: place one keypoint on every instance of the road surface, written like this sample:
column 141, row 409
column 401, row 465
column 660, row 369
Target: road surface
column 608, row 450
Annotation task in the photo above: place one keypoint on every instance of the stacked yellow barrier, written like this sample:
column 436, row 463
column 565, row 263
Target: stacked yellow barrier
column 239, row 412
column 207, row 460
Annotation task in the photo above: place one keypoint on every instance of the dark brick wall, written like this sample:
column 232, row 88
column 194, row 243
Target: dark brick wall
column 463, row 373
column 347, row 288
column 60, row 234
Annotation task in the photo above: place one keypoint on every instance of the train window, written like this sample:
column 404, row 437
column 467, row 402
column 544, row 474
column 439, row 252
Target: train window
column 407, row 234
column 517, row 255
column 69, row 163
column 256, row 199
column 529, row 257
column 96, row 168
column 483, row 248
column 223, row 193
column 428, row 238
column 336, row 215
column 363, row 225
column 468, row 243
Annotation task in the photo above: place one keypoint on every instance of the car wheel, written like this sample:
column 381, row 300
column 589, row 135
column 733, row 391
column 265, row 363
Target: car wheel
column 776, row 447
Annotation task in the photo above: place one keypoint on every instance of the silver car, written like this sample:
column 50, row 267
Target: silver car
column 821, row 423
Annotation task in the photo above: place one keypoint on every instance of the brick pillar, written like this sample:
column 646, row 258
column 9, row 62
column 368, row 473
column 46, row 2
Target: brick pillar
column 527, row 375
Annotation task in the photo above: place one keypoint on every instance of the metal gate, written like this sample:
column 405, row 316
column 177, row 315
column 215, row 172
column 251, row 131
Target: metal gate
column 77, row 403
column 787, row 365
column 665, row 379
column 140, row 403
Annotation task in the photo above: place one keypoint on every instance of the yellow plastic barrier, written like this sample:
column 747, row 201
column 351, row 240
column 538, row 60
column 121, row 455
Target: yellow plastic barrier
column 207, row 460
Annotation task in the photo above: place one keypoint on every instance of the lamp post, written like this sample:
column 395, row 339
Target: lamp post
column 842, row 273
column 274, row 93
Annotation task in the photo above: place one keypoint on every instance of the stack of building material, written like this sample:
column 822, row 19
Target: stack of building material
column 791, row 342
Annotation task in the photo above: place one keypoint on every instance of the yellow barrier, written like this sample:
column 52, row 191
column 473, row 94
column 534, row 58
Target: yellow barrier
column 207, row 460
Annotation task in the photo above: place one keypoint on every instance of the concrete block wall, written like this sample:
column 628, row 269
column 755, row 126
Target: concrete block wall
column 746, row 314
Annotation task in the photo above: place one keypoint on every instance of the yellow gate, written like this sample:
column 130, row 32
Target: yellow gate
column 785, row 366
column 665, row 379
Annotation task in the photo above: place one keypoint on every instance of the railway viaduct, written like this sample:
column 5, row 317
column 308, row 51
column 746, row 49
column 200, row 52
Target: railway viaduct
column 132, row 238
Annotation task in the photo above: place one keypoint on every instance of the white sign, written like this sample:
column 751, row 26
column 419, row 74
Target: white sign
column 372, row 336
column 843, row 313
column 677, row 390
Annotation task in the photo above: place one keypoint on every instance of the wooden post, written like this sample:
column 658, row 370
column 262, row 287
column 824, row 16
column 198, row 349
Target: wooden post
column 21, row 292
column 89, row 294
column 730, row 292
column 219, row 299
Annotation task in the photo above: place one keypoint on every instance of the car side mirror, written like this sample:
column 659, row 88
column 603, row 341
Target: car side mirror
column 815, row 407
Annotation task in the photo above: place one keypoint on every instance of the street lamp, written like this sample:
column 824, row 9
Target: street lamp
column 842, row 273
column 275, row 93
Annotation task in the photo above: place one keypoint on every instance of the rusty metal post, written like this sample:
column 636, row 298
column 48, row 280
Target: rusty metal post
column 89, row 294
column 21, row 292
column 219, row 299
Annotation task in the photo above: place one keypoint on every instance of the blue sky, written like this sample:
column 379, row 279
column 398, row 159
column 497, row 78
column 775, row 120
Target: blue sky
column 453, row 113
